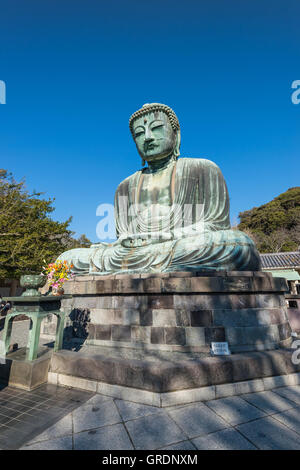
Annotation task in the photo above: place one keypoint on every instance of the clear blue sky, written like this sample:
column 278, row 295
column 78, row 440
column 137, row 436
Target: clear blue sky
column 76, row 70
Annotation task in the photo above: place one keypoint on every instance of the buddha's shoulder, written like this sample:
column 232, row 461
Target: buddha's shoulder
column 126, row 182
column 197, row 164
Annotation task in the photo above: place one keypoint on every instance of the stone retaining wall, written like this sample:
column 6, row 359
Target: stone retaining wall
column 179, row 311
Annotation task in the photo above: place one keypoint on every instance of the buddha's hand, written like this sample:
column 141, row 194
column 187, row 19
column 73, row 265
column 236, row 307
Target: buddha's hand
column 144, row 239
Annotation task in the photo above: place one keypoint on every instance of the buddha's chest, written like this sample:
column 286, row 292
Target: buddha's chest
column 155, row 188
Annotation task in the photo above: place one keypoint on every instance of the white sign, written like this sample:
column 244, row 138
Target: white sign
column 219, row 349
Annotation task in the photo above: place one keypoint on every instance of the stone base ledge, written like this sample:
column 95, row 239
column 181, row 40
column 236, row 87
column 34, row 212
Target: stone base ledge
column 152, row 347
column 268, row 346
column 180, row 397
column 176, row 282
column 162, row 375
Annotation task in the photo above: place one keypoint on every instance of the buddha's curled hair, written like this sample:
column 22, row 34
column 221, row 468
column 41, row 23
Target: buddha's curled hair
column 152, row 107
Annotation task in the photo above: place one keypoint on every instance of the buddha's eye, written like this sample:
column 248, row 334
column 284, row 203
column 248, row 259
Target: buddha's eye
column 139, row 132
column 158, row 126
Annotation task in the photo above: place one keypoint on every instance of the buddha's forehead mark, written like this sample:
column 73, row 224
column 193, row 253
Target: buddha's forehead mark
column 149, row 118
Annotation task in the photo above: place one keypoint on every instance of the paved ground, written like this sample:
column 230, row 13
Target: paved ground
column 54, row 417
column 24, row 415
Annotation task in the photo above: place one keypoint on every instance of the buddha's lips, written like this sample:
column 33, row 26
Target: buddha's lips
column 151, row 146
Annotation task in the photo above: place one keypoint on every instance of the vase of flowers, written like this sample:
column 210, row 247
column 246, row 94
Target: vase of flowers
column 57, row 274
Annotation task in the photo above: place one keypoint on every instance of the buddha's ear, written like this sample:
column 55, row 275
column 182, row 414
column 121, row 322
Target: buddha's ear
column 177, row 144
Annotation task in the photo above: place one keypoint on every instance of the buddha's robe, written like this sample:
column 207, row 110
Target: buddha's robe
column 174, row 219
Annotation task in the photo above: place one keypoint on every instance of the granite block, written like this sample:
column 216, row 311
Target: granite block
column 176, row 285
column 103, row 332
column 146, row 318
column 164, row 317
column 268, row 300
column 141, row 334
column 195, row 336
column 85, row 302
column 206, row 284
column 153, row 285
column 252, row 365
column 237, row 284
column 201, row 318
column 160, row 301
column 278, row 315
column 131, row 316
column 252, row 335
column 121, row 333
column 284, row 331
column 241, row 318
column 175, row 335
column 183, row 317
column 91, row 331
column 105, row 302
column 105, row 316
column 157, row 335
column 214, row 334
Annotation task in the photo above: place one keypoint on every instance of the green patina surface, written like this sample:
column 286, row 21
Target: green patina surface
column 171, row 215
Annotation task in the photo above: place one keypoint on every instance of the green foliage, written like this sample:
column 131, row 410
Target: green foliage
column 275, row 226
column 27, row 234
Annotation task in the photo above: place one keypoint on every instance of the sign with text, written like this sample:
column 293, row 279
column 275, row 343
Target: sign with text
column 219, row 349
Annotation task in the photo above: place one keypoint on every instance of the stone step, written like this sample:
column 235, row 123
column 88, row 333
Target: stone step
column 152, row 373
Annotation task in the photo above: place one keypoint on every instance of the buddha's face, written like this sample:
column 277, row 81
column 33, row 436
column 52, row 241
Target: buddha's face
column 154, row 136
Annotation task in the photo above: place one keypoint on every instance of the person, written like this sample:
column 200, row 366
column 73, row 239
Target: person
column 4, row 307
column 171, row 215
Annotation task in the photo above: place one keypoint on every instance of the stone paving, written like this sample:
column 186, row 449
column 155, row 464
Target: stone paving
column 59, row 418
column 263, row 420
column 24, row 415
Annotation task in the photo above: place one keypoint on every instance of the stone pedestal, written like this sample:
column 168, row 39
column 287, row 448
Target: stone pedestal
column 17, row 371
column 181, row 311
column 146, row 338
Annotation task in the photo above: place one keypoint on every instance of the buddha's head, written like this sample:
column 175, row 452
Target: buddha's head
column 156, row 132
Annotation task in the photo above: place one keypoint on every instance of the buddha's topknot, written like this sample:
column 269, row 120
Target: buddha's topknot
column 151, row 107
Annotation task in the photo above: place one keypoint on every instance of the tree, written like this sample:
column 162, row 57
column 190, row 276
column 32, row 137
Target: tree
column 28, row 236
column 274, row 226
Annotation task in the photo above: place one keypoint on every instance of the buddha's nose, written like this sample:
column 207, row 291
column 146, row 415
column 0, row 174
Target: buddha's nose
column 148, row 135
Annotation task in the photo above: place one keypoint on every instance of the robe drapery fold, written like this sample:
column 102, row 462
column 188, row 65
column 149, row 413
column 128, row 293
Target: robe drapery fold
column 194, row 234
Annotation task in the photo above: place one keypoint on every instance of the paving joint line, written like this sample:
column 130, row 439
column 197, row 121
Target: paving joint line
column 124, row 424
